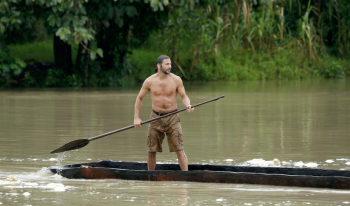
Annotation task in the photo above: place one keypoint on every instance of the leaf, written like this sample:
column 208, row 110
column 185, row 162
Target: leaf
column 22, row 64
column 16, row 13
column 122, row 11
column 160, row 5
column 93, row 55
column 100, row 52
column 119, row 21
column 131, row 11
column 2, row 28
column 63, row 33
column 110, row 12
column 4, row 19
column 117, row 12
column 13, row 66
column 154, row 2
column 165, row 2
column 51, row 20
column 5, row 68
column 17, row 71
column 58, row 22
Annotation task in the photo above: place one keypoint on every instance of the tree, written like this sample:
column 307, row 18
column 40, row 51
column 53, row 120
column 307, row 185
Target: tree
column 9, row 66
column 113, row 26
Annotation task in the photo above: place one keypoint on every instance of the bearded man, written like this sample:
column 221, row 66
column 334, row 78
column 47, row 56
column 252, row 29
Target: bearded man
column 163, row 87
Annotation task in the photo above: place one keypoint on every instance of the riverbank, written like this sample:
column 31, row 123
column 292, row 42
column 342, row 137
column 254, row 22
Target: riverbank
column 228, row 66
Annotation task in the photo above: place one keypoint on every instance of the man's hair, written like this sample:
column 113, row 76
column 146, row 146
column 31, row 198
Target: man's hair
column 160, row 61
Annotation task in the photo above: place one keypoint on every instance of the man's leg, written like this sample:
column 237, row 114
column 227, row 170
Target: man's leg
column 151, row 160
column 183, row 162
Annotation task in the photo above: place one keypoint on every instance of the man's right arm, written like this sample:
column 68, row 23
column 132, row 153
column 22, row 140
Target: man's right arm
column 138, row 103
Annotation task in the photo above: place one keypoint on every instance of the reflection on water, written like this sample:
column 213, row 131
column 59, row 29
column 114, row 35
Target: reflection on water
column 301, row 123
column 173, row 193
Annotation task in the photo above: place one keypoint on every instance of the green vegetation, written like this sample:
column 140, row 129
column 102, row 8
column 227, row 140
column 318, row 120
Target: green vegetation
column 249, row 40
column 38, row 51
column 116, row 43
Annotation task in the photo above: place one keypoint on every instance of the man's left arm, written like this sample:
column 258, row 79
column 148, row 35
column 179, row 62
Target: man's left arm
column 185, row 100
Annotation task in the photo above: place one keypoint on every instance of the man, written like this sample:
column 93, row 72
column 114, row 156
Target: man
column 163, row 87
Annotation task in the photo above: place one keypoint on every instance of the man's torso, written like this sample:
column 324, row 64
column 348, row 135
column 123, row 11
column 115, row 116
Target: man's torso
column 163, row 93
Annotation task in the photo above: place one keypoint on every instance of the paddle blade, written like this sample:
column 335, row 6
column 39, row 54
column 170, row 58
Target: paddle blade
column 75, row 144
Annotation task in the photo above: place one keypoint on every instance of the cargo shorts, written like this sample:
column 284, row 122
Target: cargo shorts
column 170, row 126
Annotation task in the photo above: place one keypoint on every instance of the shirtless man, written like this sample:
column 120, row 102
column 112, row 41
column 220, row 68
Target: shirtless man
column 163, row 87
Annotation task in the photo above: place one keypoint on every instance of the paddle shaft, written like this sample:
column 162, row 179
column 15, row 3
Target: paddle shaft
column 151, row 120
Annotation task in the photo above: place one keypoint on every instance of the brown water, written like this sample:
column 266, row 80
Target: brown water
column 301, row 123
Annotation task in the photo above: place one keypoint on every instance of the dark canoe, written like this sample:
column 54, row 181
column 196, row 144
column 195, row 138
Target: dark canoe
column 279, row 176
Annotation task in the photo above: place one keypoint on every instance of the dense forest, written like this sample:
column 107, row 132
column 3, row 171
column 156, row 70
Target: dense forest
column 93, row 43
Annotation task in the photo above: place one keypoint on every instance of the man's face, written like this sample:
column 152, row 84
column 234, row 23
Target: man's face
column 165, row 67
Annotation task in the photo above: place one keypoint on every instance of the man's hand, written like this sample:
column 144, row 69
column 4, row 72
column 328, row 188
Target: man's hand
column 137, row 122
column 189, row 109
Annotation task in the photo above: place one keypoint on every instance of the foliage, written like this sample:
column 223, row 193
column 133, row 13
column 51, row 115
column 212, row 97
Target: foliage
column 205, row 43
column 206, row 40
column 41, row 51
column 143, row 62
column 114, row 27
column 9, row 66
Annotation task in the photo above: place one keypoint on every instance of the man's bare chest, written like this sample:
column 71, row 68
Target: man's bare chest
column 162, row 88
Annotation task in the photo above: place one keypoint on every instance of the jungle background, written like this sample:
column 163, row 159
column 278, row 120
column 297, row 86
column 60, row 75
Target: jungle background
column 93, row 43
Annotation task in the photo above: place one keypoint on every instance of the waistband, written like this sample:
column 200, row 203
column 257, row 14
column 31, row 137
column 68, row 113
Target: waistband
column 161, row 114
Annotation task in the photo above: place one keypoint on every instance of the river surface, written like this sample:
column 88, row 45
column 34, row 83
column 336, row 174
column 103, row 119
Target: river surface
column 301, row 123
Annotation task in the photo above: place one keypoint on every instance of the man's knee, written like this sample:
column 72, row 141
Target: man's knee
column 181, row 153
column 152, row 154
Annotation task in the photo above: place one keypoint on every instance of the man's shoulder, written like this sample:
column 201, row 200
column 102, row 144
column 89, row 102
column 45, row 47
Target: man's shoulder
column 148, row 82
column 150, row 78
column 176, row 78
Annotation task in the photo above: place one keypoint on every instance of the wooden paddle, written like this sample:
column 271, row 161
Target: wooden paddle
column 79, row 143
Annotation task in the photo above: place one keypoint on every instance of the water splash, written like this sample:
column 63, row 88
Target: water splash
column 261, row 163
column 60, row 158
column 330, row 161
column 302, row 164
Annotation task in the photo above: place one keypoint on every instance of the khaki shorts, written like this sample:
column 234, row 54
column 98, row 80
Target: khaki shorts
column 171, row 127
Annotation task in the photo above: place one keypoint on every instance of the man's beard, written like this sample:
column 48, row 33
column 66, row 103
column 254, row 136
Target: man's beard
column 163, row 70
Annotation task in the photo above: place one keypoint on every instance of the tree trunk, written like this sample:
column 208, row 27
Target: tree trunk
column 123, row 50
column 87, row 58
column 107, row 39
column 87, row 64
column 78, row 59
column 63, row 55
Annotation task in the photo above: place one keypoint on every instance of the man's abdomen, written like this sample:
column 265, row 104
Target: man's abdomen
column 163, row 103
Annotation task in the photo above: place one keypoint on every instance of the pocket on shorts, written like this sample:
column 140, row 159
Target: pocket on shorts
column 154, row 141
column 178, row 141
column 150, row 140
column 177, row 117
